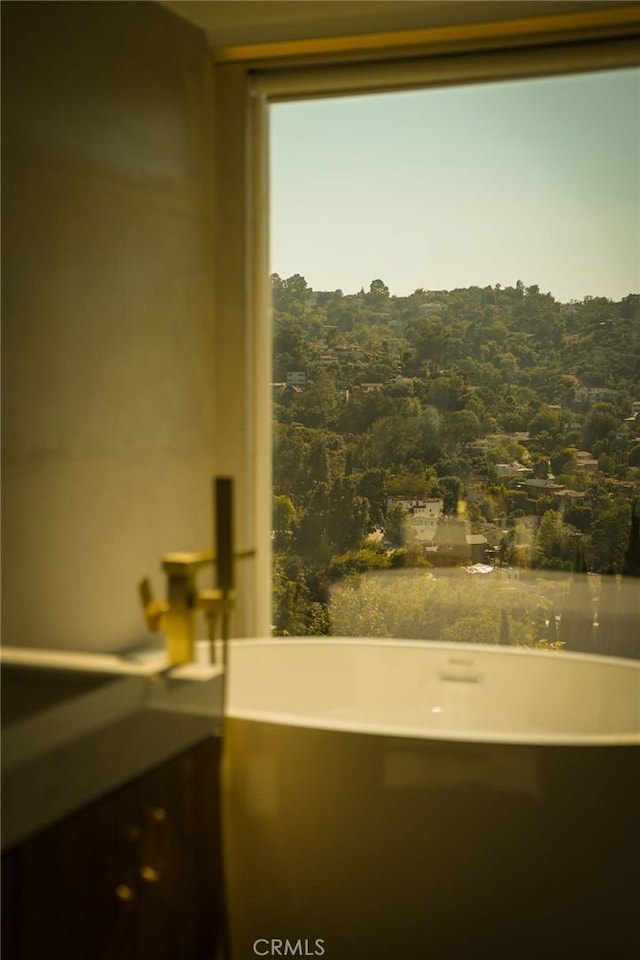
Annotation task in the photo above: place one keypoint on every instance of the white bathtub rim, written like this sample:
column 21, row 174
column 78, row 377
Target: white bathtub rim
column 477, row 648
column 390, row 730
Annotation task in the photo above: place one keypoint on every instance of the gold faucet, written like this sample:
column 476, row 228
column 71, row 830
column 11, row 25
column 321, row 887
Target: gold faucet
column 177, row 615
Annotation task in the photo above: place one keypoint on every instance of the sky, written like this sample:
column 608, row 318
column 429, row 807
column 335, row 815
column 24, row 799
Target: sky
column 532, row 180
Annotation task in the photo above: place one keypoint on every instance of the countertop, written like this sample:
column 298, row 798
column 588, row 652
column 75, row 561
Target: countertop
column 64, row 755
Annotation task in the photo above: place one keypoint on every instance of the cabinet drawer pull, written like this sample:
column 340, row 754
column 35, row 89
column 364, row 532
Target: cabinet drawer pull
column 125, row 893
column 131, row 832
column 158, row 814
column 150, row 874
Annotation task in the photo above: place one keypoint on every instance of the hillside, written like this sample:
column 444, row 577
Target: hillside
column 512, row 414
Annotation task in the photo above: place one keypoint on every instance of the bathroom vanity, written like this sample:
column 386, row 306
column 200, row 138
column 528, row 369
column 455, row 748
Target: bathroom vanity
column 111, row 833
column 135, row 874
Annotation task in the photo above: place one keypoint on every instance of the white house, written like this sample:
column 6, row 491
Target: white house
column 423, row 513
column 594, row 394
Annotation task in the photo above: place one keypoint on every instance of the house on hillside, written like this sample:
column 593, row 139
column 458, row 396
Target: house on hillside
column 513, row 469
column 585, row 462
column 523, row 437
column 432, row 308
column 452, row 534
column 285, row 389
column 536, row 487
column 423, row 513
column 589, row 395
column 477, row 545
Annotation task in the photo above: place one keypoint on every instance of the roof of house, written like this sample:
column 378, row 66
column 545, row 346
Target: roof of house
column 475, row 538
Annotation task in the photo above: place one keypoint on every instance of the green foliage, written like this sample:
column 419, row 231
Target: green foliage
column 369, row 557
column 289, row 347
column 447, row 393
column 561, row 459
column 291, row 599
column 378, row 292
column 412, row 485
column 409, row 556
column 372, row 485
column 319, row 405
column 546, row 420
column 599, row 422
column 452, row 490
column 480, row 628
column 456, row 374
column 634, row 456
column 555, row 543
column 396, row 525
column 285, row 518
column 348, row 515
column 460, row 428
column 413, row 604
column 610, row 534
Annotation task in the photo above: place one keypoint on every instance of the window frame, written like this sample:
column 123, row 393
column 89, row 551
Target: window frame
column 246, row 81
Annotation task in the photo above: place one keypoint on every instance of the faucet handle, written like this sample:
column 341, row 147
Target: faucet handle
column 154, row 609
column 216, row 601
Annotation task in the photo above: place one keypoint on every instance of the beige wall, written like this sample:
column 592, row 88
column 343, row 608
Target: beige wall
column 109, row 431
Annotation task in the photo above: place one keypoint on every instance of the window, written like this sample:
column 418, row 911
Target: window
column 455, row 452
column 299, row 82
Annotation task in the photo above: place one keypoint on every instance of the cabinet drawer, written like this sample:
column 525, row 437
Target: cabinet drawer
column 135, row 875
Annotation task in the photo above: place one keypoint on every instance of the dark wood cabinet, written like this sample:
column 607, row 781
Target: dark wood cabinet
column 135, row 875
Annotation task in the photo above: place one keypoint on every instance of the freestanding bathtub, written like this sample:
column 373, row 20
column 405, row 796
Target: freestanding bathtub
column 392, row 799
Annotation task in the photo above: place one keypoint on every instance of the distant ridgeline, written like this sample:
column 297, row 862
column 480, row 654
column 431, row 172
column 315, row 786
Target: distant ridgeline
column 491, row 426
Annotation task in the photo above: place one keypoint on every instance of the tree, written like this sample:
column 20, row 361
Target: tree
column 314, row 541
column 428, row 336
column 554, row 546
column 369, row 557
column 289, row 347
column 562, row 459
column 392, row 440
column 460, row 428
column 372, row 484
column 546, row 420
column 318, row 459
column 606, row 464
column 290, row 460
column 291, row 599
column 285, row 517
column 277, row 286
column 348, row 514
column 296, row 287
column 397, row 525
column 411, row 485
column 610, row 534
column 319, row 405
column 447, row 393
column 362, row 410
column 600, row 421
column 634, row 456
column 378, row 292
column 540, row 465
column 452, row 489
